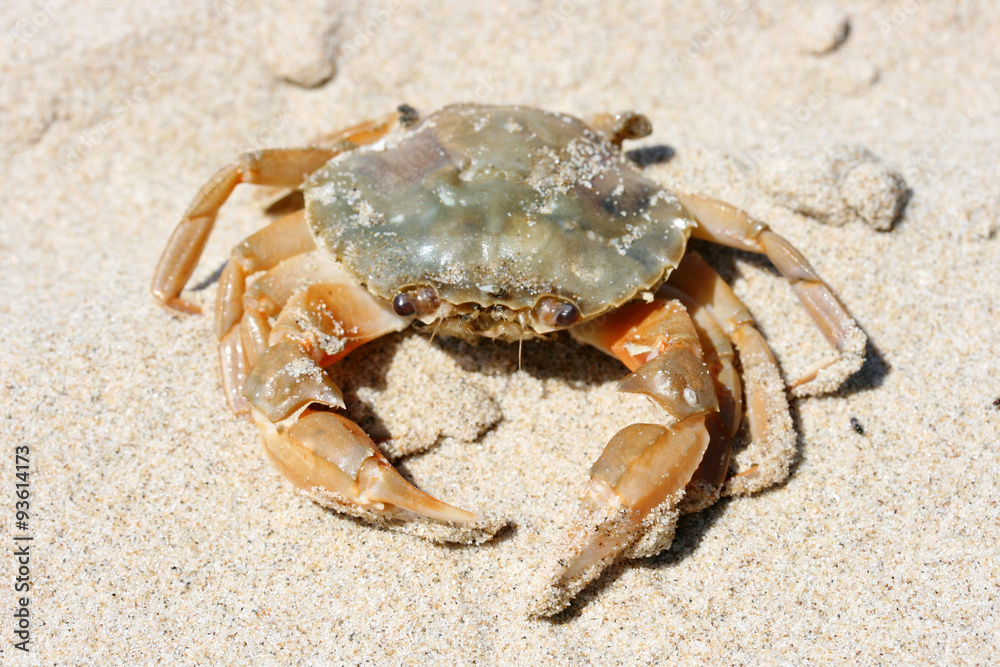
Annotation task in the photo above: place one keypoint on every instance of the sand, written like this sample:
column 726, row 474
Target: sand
column 160, row 534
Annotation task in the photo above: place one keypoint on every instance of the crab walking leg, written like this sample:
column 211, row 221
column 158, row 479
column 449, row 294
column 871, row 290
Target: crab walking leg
column 281, row 167
column 233, row 366
column 727, row 225
column 630, row 504
column 707, row 482
column 368, row 132
column 286, row 237
column 772, row 446
column 326, row 455
column 617, row 127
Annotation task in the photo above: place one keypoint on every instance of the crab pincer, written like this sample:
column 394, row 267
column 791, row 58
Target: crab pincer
column 324, row 454
column 332, row 460
column 630, row 503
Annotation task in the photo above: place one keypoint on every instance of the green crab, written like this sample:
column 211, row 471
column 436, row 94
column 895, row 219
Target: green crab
column 504, row 222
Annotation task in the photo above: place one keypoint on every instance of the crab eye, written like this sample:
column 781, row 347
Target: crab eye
column 557, row 313
column 417, row 301
column 404, row 305
column 568, row 315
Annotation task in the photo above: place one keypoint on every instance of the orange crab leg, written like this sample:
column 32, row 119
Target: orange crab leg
column 772, row 438
column 332, row 460
column 282, row 167
column 262, row 302
column 717, row 352
column 727, row 225
column 287, row 200
column 617, row 127
column 287, row 167
column 631, row 502
column 267, row 295
column 365, row 132
column 286, row 237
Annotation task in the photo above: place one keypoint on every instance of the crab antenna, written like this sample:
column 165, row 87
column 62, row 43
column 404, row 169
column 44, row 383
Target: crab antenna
column 434, row 331
column 520, row 345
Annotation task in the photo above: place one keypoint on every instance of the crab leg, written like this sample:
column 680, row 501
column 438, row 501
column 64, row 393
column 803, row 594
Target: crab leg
column 286, row 237
column 630, row 504
column 365, row 132
column 282, row 168
column 368, row 132
column 724, row 224
column 267, row 295
column 325, row 454
column 263, row 300
column 717, row 353
column 617, row 127
column 708, row 480
column 772, row 446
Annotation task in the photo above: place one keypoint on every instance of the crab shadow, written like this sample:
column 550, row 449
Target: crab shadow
column 645, row 156
column 557, row 357
column 368, row 368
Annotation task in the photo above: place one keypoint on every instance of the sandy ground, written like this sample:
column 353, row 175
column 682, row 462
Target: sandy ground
column 160, row 534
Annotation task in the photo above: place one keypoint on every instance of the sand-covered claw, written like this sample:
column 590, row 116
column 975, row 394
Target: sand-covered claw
column 335, row 463
column 629, row 506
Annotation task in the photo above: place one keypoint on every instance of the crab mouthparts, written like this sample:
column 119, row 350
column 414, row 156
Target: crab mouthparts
column 498, row 321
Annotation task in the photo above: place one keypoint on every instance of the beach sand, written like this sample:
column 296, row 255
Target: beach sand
column 161, row 534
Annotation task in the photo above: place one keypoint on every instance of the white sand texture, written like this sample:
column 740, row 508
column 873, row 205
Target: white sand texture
column 161, row 535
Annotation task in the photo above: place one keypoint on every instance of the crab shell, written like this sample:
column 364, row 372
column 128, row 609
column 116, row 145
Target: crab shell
column 497, row 208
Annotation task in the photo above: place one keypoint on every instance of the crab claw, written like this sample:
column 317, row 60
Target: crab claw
column 629, row 506
column 335, row 463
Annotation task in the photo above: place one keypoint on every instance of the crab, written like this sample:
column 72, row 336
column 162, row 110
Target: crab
column 511, row 223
